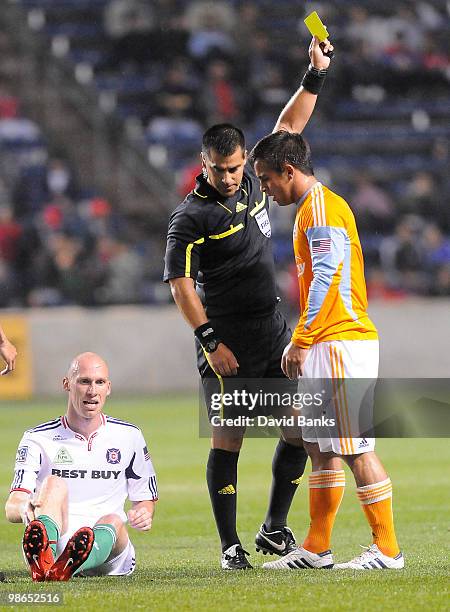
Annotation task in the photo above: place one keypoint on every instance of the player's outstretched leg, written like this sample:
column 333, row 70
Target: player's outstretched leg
column 288, row 465
column 73, row 556
column 37, row 550
column 374, row 490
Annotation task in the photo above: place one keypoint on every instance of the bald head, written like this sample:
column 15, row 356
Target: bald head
column 88, row 360
column 88, row 385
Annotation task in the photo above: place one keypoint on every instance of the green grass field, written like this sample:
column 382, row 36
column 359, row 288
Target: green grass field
column 178, row 561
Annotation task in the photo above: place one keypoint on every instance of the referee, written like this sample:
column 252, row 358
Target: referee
column 220, row 267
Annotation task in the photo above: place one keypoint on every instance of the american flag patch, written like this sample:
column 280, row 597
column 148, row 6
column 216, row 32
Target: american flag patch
column 321, row 245
column 146, row 454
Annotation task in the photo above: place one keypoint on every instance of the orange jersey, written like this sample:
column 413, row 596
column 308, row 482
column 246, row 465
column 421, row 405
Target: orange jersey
column 330, row 268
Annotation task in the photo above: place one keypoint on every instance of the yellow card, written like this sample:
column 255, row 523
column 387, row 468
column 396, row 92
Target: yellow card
column 315, row 26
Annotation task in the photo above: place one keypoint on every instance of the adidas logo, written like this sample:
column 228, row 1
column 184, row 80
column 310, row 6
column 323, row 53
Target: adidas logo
column 363, row 443
column 297, row 481
column 228, row 490
column 240, row 207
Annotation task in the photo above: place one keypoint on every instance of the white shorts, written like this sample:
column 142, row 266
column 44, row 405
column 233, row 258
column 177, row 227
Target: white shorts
column 121, row 565
column 348, row 405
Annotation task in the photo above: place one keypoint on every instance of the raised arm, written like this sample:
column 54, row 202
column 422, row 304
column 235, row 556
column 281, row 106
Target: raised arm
column 295, row 115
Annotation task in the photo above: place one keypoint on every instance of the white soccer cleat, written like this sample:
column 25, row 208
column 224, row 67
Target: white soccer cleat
column 300, row 558
column 373, row 559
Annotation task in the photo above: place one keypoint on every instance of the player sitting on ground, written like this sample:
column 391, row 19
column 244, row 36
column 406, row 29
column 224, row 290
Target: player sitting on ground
column 72, row 477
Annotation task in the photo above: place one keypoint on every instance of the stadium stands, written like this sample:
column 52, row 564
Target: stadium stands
column 169, row 69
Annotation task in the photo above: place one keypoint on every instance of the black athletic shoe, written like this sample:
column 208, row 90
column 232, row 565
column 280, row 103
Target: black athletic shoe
column 234, row 558
column 280, row 542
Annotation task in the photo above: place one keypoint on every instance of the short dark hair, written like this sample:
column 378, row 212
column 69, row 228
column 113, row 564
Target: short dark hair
column 282, row 148
column 223, row 138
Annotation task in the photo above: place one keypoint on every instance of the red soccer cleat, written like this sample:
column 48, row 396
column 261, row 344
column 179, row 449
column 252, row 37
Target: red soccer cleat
column 37, row 550
column 75, row 554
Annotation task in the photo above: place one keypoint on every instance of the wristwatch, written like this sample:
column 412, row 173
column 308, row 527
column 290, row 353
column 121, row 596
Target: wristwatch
column 211, row 345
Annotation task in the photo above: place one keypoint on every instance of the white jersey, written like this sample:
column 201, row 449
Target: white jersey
column 100, row 471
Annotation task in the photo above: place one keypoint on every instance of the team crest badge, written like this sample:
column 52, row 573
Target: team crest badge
column 113, row 455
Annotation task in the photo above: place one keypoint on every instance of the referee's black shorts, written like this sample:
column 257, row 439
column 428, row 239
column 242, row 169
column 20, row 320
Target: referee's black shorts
column 258, row 346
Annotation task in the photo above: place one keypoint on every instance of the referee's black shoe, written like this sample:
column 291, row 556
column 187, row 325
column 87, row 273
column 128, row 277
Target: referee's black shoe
column 233, row 558
column 280, row 542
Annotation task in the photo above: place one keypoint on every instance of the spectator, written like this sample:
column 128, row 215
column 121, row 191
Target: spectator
column 121, row 17
column 401, row 256
column 220, row 96
column 372, row 206
column 10, row 234
column 210, row 25
column 124, row 273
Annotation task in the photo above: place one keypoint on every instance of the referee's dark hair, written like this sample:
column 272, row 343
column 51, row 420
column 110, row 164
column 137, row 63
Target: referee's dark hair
column 282, row 148
column 223, row 138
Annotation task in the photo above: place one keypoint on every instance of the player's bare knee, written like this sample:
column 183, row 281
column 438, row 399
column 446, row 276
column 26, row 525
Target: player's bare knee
column 322, row 461
column 111, row 519
column 353, row 460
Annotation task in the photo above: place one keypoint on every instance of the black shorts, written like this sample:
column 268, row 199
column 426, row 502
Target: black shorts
column 258, row 346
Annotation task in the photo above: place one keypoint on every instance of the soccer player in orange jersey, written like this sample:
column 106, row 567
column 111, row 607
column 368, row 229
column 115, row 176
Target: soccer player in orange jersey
column 334, row 340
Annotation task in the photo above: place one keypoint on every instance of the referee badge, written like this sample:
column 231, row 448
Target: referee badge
column 263, row 221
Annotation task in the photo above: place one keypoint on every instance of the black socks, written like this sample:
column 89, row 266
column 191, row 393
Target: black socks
column 288, row 466
column 221, row 476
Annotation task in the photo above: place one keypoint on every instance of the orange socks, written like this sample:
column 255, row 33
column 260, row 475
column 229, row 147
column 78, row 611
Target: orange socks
column 326, row 490
column 376, row 500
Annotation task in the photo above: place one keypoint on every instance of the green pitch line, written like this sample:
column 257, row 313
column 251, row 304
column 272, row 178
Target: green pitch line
column 178, row 561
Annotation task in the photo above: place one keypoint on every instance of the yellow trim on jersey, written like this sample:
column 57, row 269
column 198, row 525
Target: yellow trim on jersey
column 258, row 206
column 190, row 246
column 223, row 206
column 200, row 195
column 232, row 230
column 222, row 388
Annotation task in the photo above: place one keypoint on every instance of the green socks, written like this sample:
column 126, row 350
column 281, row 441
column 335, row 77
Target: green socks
column 105, row 538
column 52, row 530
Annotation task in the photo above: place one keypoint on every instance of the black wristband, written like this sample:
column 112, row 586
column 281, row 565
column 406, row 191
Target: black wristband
column 314, row 79
column 207, row 337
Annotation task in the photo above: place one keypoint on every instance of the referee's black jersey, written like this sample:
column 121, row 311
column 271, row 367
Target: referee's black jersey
column 224, row 245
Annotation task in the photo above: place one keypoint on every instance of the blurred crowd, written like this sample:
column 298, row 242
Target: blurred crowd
column 60, row 243
column 176, row 67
